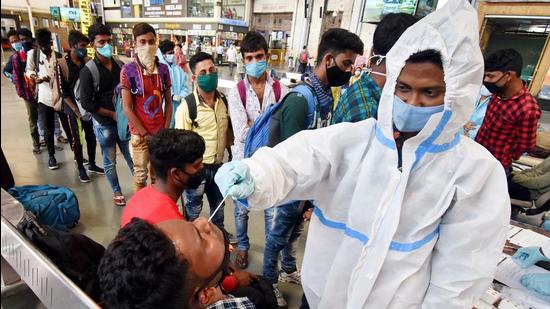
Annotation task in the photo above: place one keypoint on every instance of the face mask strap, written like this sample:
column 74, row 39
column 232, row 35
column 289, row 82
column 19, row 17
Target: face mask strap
column 380, row 59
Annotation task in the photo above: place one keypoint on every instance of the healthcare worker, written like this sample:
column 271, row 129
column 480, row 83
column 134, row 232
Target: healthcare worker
column 428, row 233
column 529, row 256
column 480, row 108
column 180, row 82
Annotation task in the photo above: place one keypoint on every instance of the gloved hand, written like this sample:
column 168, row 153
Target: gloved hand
column 234, row 180
column 176, row 98
column 528, row 256
column 546, row 225
column 538, row 283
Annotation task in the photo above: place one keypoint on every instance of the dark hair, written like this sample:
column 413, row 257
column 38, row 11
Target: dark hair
column 166, row 45
column 43, row 37
column 388, row 31
column 13, row 32
column 171, row 148
column 504, row 60
column 199, row 57
column 304, row 47
column 76, row 37
column 253, row 41
column 98, row 29
column 428, row 55
column 26, row 32
column 142, row 268
column 143, row 28
column 337, row 41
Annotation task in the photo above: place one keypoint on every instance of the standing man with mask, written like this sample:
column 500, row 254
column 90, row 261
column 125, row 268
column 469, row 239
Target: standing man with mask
column 145, row 83
column 69, row 69
column 509, row 128
column 400, row 200
column 205, row 112
column 22, row 43
column 178, row 77
column 98, row 80
column 41, row 66
column 360, row 101
column 247, row 100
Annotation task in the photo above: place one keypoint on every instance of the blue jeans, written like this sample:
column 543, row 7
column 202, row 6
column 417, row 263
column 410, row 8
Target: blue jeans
column 107, row 136
column 287, row 226
column 193, row 198
column 241, row 225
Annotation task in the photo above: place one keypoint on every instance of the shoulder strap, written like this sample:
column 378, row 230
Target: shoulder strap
column 36, row 59
column 192, row 108
column 92, row 66
column 64, row 68
column 224, row 100
column 277, row 90
column 242, row 92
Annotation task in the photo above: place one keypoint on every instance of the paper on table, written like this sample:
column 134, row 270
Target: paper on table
column 527, row 238
column 510, row 273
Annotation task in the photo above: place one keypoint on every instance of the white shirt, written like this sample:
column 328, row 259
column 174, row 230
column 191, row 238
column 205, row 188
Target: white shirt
column 242, row 119
column 219, row 50
column 45, row 68
column 232, row 54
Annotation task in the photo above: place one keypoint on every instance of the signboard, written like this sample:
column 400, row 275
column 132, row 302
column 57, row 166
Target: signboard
column 376, row 9
column 233, row 22
column 163, row 8
column 70, row 14
column 55, row 12
column 85, row 20
column 202, row 32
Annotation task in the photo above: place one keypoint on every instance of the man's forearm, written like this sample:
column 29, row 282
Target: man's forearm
column 168, row 108
column 106, row 113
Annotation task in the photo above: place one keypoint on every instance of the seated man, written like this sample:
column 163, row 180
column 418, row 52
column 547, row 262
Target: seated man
column 176, row 157
column 175, row 264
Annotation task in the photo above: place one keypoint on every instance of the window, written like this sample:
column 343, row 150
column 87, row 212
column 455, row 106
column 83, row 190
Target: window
column 200, row 8
column 233, row 9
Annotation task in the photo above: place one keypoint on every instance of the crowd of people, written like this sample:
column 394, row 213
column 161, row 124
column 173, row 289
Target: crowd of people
column 407, row 162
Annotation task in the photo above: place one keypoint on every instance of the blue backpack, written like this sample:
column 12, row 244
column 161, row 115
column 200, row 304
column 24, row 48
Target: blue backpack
column 54, row 206
column 266, row 128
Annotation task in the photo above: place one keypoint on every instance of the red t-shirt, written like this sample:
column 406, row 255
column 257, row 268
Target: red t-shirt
column 150, row 205
column 147, row 107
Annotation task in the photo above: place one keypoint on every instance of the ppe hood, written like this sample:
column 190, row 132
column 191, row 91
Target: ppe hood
column 453, row 31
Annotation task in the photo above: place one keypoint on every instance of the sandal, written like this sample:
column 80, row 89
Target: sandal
column 241, row 261
column 119, row 200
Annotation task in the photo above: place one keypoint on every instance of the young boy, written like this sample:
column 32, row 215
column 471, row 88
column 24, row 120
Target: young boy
column 145, row 83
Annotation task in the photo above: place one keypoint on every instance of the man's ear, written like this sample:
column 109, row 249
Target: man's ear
column 329, row 59
column 205, row 297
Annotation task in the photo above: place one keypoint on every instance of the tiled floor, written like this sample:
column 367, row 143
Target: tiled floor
column 99, row 218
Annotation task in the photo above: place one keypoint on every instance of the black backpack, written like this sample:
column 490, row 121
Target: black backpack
column 76, row 255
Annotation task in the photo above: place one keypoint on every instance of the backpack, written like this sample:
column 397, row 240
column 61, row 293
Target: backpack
column 242, row 91
column 134, row 75
column 266, row 129
column 76, row 255
column 55, row 206
column 303, row 57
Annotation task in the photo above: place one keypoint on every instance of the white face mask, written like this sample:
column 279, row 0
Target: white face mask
column 169, row 58
column 146, row 55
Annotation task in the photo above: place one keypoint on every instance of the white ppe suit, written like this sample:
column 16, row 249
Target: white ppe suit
column 428, row 236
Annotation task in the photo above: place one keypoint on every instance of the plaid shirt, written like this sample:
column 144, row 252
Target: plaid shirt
column 233, row 303
column 359, row 102
column 510, row 126
column 23, row 89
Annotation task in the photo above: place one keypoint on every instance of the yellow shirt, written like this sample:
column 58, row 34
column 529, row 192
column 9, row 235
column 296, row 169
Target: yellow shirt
column 212, row 126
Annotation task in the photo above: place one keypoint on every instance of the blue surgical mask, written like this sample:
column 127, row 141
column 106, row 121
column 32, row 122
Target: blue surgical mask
column 18, row 46
column 409, row 118
column 256, row 69
column 169, row 58
column 105, row 51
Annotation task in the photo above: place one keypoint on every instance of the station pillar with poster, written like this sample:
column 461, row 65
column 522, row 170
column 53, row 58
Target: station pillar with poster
column 86, row 20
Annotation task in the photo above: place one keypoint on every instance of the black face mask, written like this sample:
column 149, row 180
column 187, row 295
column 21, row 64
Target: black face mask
column 194, row 181
column 27, row 45
column 493, row 87
column 336, row 77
